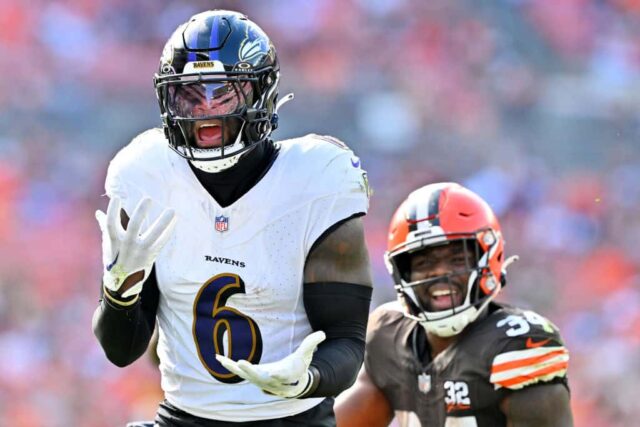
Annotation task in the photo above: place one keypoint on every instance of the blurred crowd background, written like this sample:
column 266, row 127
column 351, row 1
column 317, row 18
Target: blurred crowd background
column 534, row 104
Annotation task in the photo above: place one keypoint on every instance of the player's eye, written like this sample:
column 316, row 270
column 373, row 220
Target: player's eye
column 227, row 97
column 191, row 95
column 459, row 260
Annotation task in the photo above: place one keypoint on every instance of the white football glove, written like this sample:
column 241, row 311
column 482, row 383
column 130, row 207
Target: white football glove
column 125, row 252
column 288, row 377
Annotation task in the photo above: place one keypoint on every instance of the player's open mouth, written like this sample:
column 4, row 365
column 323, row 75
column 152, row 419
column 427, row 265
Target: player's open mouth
column 209, row 136
column 444, row 296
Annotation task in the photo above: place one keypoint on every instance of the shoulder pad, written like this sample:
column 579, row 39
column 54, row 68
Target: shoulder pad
column 530, row 350
column 329, row 165
column 137, row 166
column 388, row 333
column 385, row 314
column 387, row 326
column 148, row 142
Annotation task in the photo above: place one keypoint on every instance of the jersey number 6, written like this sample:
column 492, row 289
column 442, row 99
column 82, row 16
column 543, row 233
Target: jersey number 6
column 212, row 319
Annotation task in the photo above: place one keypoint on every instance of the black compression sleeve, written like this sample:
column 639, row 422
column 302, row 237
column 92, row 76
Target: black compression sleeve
column 340, row 310
column 124, row 332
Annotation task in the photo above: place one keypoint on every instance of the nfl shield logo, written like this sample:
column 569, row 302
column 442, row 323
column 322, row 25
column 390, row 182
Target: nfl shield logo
column 424, row 383
column 222, row 223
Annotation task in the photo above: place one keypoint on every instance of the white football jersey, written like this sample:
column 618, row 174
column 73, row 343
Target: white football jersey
column 230, row 279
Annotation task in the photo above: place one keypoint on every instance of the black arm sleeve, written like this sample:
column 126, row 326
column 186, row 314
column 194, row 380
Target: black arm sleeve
column 124, row 332
column 340, row 310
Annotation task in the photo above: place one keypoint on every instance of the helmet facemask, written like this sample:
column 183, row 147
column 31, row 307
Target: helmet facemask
column 228, row 105
column 446, row 281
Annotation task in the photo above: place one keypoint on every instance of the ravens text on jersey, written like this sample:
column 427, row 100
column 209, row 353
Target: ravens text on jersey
column 230, row 242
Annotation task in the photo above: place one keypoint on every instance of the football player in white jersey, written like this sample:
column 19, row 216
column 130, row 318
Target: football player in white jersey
column 248, row 253
column 445, row 354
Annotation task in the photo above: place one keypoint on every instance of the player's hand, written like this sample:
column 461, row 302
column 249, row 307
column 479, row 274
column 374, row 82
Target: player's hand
column 289, row 377
column 128, row 251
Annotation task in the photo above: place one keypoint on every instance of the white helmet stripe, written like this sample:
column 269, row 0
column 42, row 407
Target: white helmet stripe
column 431, row 194
column 422, row 212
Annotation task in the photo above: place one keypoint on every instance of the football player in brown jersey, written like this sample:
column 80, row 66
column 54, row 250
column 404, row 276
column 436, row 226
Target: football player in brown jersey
column 445, row 354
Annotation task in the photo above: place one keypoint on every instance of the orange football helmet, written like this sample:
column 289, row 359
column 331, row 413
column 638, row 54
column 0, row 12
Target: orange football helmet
column 438, row 214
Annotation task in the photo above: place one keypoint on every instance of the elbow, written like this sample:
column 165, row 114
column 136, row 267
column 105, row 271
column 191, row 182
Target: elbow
column 120, row 362
column 349, row 382
column 120, row 349
column 348, row 378
column 118, row 353
column 119, row 359
column 358, row 357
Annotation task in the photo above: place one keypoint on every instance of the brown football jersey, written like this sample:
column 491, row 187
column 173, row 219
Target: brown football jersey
column 506, row 350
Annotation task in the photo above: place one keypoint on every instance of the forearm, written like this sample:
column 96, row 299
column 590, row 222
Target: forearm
column 124, row 332
column 341, row 311
column 335, row 366
column 363, row 405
